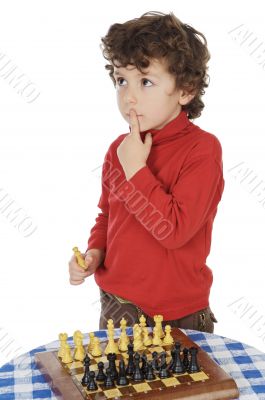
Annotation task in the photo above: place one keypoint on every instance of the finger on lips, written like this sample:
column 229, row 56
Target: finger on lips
column 134, row 122
column 133, row 117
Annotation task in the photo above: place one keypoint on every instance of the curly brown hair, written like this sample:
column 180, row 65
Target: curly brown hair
column 160, row 36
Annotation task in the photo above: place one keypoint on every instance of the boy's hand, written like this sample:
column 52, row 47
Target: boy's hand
column 93, row 259
column 132, row 152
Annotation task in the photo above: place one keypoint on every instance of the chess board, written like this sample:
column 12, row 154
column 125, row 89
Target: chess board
column 211, row 383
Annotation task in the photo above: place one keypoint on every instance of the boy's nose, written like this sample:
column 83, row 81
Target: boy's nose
column 131, row 100
column 131, row 96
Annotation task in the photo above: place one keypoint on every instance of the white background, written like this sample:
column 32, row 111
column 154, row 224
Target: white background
column 52, row 150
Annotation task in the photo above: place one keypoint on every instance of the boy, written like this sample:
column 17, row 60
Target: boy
column 161, row 183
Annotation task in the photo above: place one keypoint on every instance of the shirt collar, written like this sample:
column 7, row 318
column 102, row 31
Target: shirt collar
column 170, row 130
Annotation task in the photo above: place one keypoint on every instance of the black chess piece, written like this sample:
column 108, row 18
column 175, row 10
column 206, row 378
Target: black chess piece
column 173, row 358
column 193, row 365
column 112, row 365
column 122, row 379
column 162, row 359
column 177, row 366
column 155, row 361
column 144, row 363
column 137, row 375
column 86, row 364
column 177, row 346
column 101, row 376
column 109, row 382
column 130, row 367
column 91, row 383
column 149, row 376
column 186, row 360
column 163, row 370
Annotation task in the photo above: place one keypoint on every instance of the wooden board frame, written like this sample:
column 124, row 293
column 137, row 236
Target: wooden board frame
column 220, row 385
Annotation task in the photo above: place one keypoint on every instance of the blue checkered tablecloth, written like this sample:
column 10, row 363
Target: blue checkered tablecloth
column 21, row 379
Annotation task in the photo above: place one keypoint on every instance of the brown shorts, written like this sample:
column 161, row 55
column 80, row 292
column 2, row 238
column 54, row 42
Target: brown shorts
column 112, row 308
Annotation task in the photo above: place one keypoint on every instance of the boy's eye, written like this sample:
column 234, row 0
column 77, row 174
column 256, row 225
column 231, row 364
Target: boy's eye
column 147, row 80
column 122, row 79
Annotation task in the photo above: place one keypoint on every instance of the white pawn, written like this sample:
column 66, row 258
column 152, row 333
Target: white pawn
column 79, row 353
column 123, row 341
column 67, row 357
column 91, row 343
column 168, row 339
column 137, row 339
column 146, row 339
column 135, row 328
column 156, row 337
column 63, row 341
column 96, row 352
column 77, row 336
column 112, row 347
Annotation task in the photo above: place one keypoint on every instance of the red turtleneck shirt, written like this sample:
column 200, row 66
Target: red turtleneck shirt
column 156, row 227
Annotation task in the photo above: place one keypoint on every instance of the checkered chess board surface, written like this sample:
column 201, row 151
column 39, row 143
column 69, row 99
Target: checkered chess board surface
column 76, row 370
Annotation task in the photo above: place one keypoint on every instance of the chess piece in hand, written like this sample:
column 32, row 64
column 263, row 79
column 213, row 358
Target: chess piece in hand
column 92, row 259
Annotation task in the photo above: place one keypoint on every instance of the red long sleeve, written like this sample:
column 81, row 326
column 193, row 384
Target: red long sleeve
column 186, row 208
column 98, row 234
column 156, row 227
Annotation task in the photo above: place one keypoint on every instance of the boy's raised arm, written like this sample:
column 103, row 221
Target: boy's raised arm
column 193, row 199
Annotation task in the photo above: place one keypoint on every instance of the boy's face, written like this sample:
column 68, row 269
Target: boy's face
column 153, row 95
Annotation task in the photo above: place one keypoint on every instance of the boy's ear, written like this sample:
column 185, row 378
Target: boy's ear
column 186, row 97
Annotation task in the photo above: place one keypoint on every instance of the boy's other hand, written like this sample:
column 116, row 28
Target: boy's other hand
column 93, row 259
